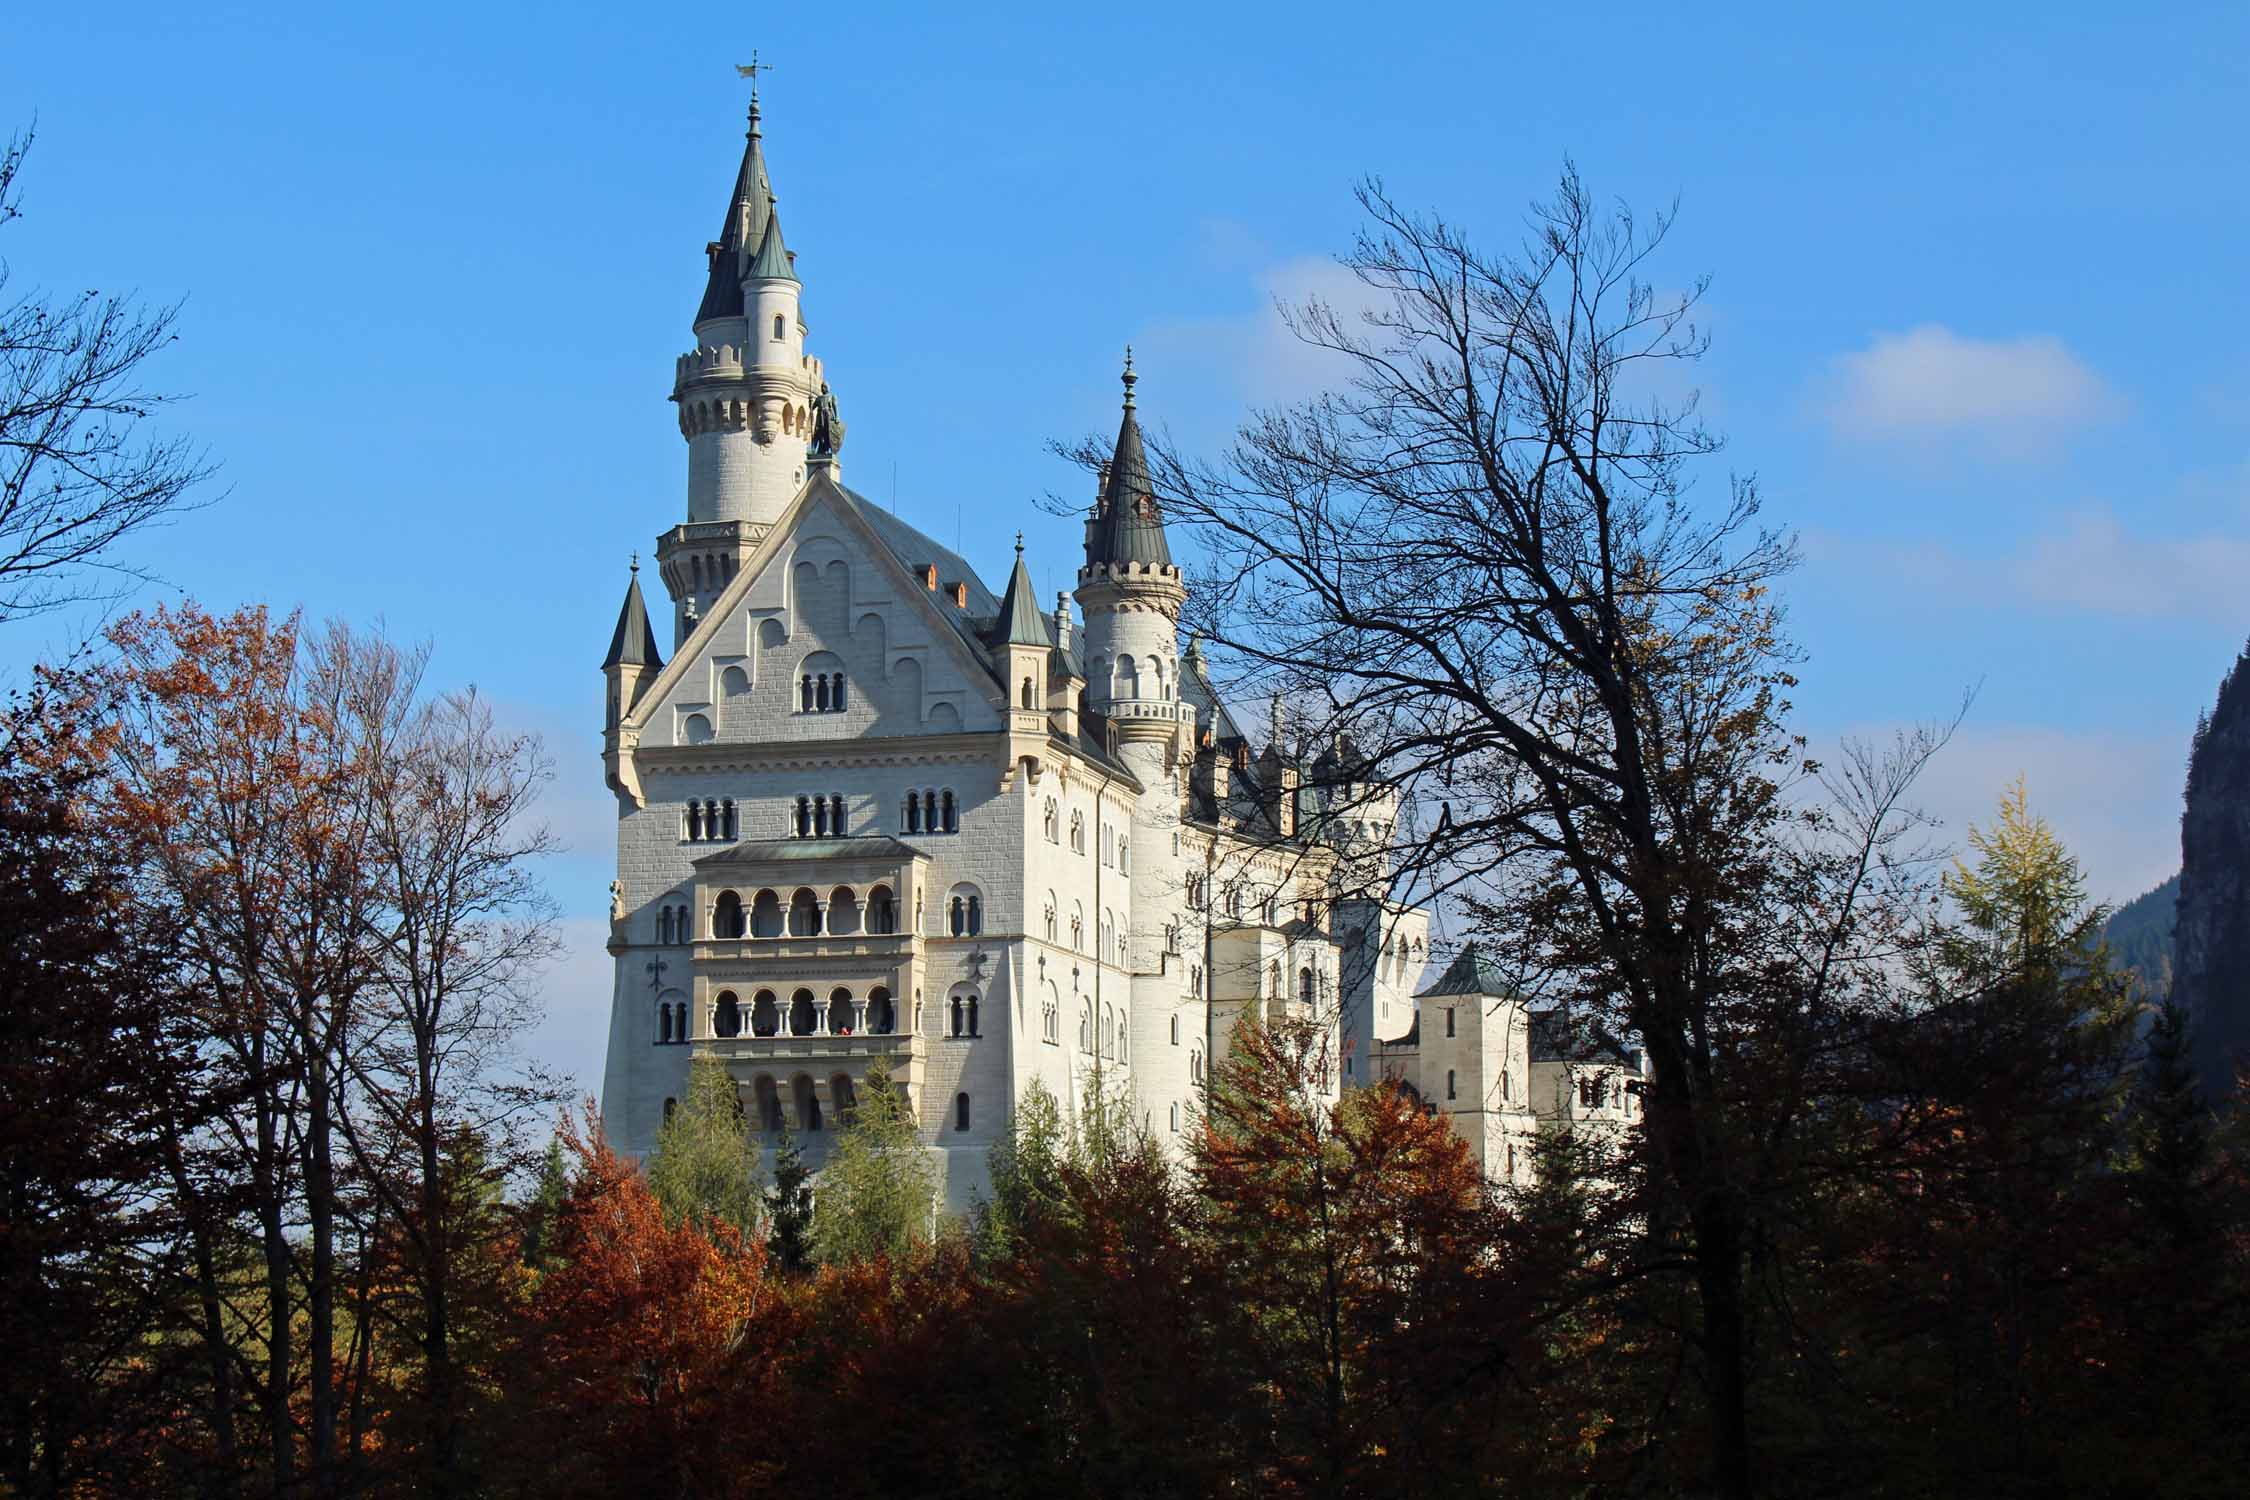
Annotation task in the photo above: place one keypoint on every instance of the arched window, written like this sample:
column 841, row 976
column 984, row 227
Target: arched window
column 973, row 1030
column 804, row 915
column 730, row 824
column 841, row 1021
column 679, row 1022
column 664, row 1023
column 882, row 911
column 1086, row 1027
column 820, row 693
column 729, row 1022
column 882, row 1016
column 1305, row 986
column 955, row 1006
column 1195, row 981
column 694, row 821
column 808, row 1103
column 1077, row 833
column 804, row 817
column 913, row 813
column 664, row 925
column 769, row 1104
column 1124, row 856
column 1195, row 1065
column 1175, row 1031
column 820, row 817
column 960, row 1111
column 1050, row 823
column 765, row 1015
column 1027, row 692
column 803, row 1017
column 836, row 694
column 1050, row 917
column 777, row 333
column 1175, row 1117
column 1077, row 930
column 726, row 918
column 805, row 694
column 836, row 816
column 952, row 815
column 765, row 916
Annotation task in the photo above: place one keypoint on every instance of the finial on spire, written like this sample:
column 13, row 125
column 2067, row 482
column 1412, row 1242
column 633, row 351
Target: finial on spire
column 636, row 564
column 1129, row 376
column 751, row 70
column 1019, row 544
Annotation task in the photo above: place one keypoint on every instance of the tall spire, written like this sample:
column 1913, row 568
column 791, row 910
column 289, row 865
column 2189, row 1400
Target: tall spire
column 749, row 207
column 1129, row 527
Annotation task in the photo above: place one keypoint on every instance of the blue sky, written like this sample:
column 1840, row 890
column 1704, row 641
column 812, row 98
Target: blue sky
column 1981, row 315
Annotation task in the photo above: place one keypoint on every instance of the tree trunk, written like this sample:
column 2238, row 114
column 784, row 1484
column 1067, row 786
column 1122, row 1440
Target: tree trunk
column 320, row 1202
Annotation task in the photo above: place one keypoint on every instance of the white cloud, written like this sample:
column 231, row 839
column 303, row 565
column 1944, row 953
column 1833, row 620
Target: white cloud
column 1255, row 351
column 2092, row 564
column 2113, row 799
column 1933, row 383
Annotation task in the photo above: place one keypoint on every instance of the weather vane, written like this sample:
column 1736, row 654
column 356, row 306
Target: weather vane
column 752, row 69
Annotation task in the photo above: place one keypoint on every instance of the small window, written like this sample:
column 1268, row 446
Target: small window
column 1175, row 1118
column 960, row 1111
column 1175, row 1031
column 1449, row 1020
column 777, row 327
column 669, row 1106
column 1448, row 1083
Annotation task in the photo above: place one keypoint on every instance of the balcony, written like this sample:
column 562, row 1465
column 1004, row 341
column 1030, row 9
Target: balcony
column 901, row 1050
column 741, row 956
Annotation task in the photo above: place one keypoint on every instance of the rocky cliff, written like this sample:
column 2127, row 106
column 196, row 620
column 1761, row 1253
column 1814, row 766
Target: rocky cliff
column 2211, row 936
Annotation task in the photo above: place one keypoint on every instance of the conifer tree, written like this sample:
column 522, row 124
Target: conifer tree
column 2171, row 1131
column 789, row 1208
column 705, row 1167
column 877, row 1191
column 545, row 1208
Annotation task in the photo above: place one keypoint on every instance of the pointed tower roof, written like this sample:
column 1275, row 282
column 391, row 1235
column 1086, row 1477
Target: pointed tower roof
column 772, row 263
column 748, row 209
column 1471, row 974
column 1128, row 527
column 633, row 644
column 1020, row 623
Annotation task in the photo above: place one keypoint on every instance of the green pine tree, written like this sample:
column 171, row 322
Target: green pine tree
column 2171, row 1136
column 789, row 1208
column 1026, row 1167
column 544, row 1210
column 877, row 1191
column 705, row 1168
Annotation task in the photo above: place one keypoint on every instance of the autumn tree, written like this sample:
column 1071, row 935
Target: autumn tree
column 1483, row 559
column 705, row 1167
column 1353, row 1229
column 87, row 1300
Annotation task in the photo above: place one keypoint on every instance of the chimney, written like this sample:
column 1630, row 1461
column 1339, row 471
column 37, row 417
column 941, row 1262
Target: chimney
column 1062, row 619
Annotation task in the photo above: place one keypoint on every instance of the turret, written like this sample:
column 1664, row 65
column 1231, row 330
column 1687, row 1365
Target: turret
column 1023, row 649
column 630, row 666
column 746, row 395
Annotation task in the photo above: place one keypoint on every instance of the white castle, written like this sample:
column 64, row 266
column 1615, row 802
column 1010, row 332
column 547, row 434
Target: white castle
column 869, row 810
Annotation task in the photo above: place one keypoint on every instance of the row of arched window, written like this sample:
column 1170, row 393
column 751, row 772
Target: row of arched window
column 842, row 1014
column 672, row 924
column 671, row 1023
column 709, row 573
column 709, row 821
column 820, row 693
column 820, row 817
column 1107, row 1031
column 841, row 914
column 964, row 1009
column 965, row 915
column 932, row 811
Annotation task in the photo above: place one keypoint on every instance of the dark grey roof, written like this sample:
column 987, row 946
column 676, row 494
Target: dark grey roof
column 1471, row 974
column 1019, row 622
column 1195, row 686
column 772, row 263
column 741, row 232
column 795, row 851
column 1557, row 1037
column 916, row 551
column 633, row 644
column 1128, row 528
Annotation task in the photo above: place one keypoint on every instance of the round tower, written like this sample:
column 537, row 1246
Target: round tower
column 745, row 395
column 1131, row 592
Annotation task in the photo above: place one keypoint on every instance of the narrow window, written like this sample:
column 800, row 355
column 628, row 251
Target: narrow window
column 973, row 1017
column 952, row 815
column 777, row 333
column 820, row 693
column 669, row 1106
column 913, row 813
column 804, row 689
column 730, row 824
column 1448, row 1083
column 836, row 815
column 664, row 1023
column 804, row 818
column 956, row 1006
column 1175, row 1031
column 1449, row 1020
column 960, row 1111
column 836, row 693
column 976, row 915
column 957, row 918
column 1175, row 1118
column 694, row 821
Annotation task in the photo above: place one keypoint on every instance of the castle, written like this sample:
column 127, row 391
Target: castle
column 869, row 810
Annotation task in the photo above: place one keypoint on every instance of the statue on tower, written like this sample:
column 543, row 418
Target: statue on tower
column 827, row 427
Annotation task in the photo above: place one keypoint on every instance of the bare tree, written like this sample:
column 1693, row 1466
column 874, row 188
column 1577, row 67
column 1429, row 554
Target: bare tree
column 78, row 474
column 1483, row 561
